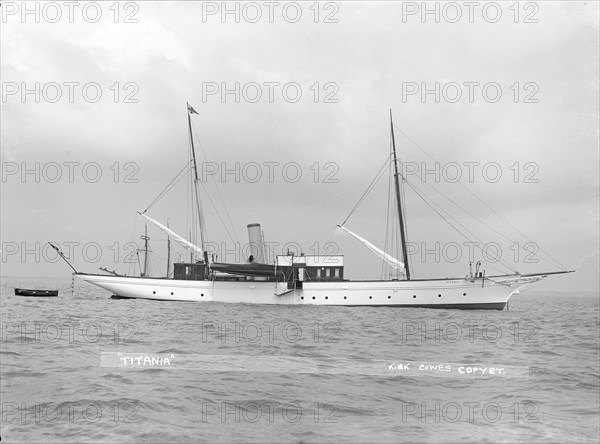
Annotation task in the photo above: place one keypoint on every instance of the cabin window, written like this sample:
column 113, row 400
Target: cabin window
column 318, row 272
column 327, row 272
column 337, row 272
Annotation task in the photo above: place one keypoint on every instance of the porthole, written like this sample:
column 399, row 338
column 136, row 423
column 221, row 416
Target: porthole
column 302, row 297
column 171, row 293
column 370, row 297
column 345, row 297
column 414, row 295
column 202, row 294
column 389, row 297
column 313, row 297
column 154, row 292
column 326, row 297
column 464, row 294
column 439, row 295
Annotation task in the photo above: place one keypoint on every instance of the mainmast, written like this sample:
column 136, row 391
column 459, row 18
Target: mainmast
column 399, row 203
column 191, row 111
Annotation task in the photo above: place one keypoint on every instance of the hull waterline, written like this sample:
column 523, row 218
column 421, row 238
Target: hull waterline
column 442, row 293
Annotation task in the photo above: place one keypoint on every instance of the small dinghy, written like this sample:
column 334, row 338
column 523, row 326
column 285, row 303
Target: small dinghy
column 37, row 293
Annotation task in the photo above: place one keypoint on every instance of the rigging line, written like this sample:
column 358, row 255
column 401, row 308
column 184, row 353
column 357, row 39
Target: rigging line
column 388, row 241
column 217, row 187
column 459, row 272
column 556, row 262
column 201, row 220
column 395, row 223
column 218, row 214
column 188, row 206
column 470, row 214
column 197, row 219
column 396, row 235
column 479, row 244
column 180, row 175
column 403, row 202
column 170, row 185
column 132, row 241
column 543, row 281
column 135, row 219
column 398, row 242
column 489, row 264
column 447, row 216
column 423, row 196
column 387, row 225
column 369, row 189
column 482, row 222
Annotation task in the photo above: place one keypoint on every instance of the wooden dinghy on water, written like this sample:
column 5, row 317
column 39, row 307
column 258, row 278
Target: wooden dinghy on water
column 36, row 293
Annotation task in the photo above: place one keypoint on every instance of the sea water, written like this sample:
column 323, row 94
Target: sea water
column 86, row 368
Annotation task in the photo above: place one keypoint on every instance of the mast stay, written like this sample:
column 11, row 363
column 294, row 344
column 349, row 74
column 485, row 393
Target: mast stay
column 396, row 264
column 196, row 201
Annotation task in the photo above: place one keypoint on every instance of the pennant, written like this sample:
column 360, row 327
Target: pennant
column 192, row 110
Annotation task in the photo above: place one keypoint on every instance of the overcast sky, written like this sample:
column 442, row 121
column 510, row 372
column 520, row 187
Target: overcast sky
column 511, row 102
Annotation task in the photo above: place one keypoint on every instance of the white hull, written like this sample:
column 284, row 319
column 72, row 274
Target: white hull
column 442, row 293
column 317, row 280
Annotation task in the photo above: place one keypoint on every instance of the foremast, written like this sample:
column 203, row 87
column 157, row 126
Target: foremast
column 399, row 202
column 201, row 223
